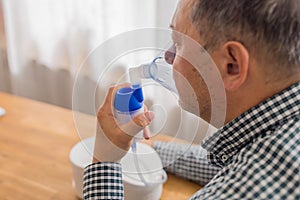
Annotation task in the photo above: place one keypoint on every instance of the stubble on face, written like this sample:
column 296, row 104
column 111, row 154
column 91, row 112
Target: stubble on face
column 193, row 92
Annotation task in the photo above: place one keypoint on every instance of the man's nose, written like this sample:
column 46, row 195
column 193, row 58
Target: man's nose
column 170, row 55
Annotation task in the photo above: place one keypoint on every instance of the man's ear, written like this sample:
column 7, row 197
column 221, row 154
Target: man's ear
column 235, row 66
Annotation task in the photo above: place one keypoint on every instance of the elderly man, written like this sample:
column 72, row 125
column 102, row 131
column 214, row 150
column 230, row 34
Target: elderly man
column 256, row 154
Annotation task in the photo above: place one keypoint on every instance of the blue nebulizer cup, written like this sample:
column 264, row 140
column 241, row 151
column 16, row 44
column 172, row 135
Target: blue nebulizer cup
column 128, row 104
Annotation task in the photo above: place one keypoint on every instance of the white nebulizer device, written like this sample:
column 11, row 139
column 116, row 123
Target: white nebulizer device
column 129, row 101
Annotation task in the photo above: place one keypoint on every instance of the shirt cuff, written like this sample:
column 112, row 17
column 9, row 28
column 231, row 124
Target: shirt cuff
column 103, row 180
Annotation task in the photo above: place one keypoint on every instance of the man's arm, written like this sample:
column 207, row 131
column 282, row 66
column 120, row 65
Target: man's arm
column 103, row 181
column 187, row 161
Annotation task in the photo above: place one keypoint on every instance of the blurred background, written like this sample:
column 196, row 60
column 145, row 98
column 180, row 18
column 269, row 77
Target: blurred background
column 44, row 42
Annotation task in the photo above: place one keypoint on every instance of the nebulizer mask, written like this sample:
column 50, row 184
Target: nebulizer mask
column 157, row 70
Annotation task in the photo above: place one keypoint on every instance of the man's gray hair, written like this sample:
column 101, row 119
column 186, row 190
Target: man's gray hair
column 268, row 28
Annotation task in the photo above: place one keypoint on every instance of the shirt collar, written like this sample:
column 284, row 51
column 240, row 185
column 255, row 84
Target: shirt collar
column 257, row 122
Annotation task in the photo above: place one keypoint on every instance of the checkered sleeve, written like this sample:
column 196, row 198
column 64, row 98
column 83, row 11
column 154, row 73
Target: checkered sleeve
column 186, row 161
column 103, row 181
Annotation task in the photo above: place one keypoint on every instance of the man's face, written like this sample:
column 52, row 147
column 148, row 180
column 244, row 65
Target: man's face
column 193, row 92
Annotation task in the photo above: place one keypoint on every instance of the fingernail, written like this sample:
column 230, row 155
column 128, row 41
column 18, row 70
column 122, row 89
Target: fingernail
column 146, row 133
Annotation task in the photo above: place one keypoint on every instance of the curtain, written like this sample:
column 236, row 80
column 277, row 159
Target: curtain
column 47, row 40
column 43, row 44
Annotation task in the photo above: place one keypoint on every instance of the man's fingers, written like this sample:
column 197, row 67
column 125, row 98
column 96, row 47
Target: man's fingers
column 138, row 123
column 150, row 115
column 145, row 108
column 144, row 119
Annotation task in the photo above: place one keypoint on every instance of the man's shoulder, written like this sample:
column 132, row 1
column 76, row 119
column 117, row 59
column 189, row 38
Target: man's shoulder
column 281, row 144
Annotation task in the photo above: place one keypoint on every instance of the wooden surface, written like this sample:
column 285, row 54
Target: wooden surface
column 35, row 141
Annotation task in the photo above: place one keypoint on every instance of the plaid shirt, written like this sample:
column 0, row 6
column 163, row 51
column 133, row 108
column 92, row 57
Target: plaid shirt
column 256, row 156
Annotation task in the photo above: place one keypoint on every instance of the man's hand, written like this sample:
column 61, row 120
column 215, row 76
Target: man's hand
column 113, row 141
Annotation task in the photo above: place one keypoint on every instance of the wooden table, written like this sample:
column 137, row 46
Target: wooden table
column 35, row 141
